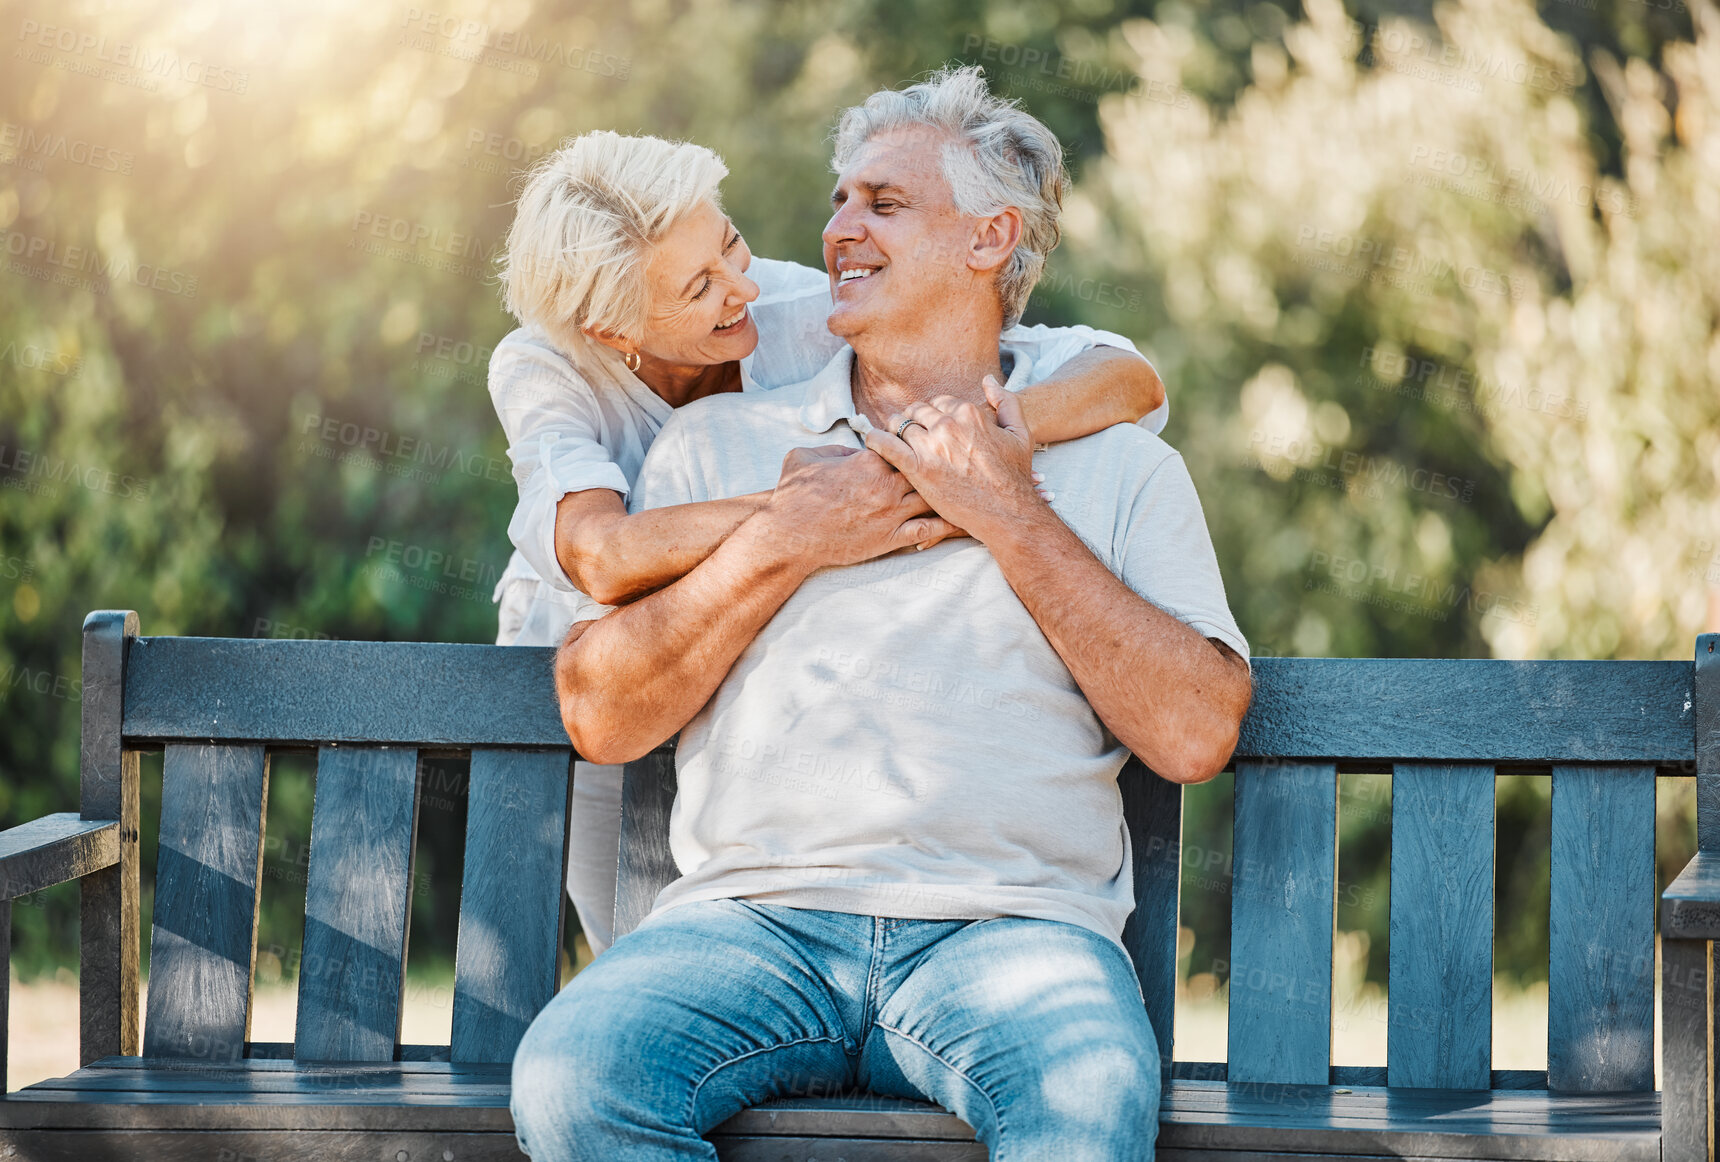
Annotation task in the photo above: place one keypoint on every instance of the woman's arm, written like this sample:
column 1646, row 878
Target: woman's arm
column 616, row 557
column 1093, row 390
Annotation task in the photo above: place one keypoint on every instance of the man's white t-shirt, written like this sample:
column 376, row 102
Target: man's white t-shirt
column 580, row 420
column 901, row 739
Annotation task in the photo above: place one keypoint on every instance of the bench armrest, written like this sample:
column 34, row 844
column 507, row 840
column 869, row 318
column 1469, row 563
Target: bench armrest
column 1690, row 906
column 54, row 849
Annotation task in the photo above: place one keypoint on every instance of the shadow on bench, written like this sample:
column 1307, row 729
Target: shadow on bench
column 194, row 1086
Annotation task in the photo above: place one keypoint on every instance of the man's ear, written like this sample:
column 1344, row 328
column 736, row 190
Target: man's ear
column 995, row 237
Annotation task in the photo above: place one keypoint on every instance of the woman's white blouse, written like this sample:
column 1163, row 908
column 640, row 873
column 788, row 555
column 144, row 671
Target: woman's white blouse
column 581, row 420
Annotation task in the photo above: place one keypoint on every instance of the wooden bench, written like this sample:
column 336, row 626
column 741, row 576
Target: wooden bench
column 195, row 1086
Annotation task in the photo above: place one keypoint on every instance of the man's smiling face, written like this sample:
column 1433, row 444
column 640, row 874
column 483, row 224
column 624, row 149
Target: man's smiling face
column 895, row 246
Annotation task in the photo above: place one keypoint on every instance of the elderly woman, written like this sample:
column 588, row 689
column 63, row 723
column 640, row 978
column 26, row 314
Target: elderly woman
column 636, row 294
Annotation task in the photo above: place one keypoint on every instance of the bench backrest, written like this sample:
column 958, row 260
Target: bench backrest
column 1443, row 729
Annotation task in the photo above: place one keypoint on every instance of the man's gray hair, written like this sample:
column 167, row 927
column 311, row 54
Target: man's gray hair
column 999, row 155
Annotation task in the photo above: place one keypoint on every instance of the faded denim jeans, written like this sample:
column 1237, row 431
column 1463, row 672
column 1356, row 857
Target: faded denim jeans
column 1032, row 1031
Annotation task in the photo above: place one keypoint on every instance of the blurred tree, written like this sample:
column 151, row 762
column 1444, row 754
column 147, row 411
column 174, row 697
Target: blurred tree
column 248, row 298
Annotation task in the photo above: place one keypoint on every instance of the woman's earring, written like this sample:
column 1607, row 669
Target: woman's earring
column 631, row 359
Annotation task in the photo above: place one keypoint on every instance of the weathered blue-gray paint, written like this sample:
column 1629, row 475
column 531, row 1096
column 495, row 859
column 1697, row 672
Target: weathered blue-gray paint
column 1152, row 810
column 1600, row 972
column 507, row 958
column 645, row 864
column 1283, row 873
column 1439, row 1024
column 1349, row 708
column 358, row 902
column 207, row 874
column 415, row 693
column 1470, row 711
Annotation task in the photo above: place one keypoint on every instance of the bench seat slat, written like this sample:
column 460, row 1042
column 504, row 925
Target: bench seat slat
column 265, row 1145
column 1439, row 1030
column 208, row 874
column 507, row 955
column 1283, row 869
column 1200, row 1116
column 357, row 903
column 1600, row 975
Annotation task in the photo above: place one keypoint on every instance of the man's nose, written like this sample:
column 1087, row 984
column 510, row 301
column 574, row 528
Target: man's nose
column 844, row 226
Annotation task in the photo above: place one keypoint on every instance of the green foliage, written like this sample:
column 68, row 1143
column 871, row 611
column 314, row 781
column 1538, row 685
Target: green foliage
column 246, row 307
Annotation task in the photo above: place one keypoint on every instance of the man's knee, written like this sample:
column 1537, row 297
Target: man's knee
column 576, row 1061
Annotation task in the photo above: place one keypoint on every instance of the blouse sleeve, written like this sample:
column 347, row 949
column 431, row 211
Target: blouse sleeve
column 555, row 441
column 1051, row 347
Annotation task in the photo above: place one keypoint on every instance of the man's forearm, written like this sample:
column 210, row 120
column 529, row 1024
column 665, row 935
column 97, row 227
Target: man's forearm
column 1166, row 692
column 635, row 677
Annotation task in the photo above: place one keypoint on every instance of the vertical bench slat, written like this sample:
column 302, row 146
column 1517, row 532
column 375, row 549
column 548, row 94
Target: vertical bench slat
column 5, row 986
column 1152, row 811
column 1600, row 975
column 357, row 903
column 1685, row 972
column 507, row 960
column 1283, row 880
column 1440, row 1019
column 108, row 904
column 646, row 865
column 208, row 871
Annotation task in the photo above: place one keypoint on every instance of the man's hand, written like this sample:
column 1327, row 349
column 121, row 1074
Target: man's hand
column 973, row 465
column 840, row 506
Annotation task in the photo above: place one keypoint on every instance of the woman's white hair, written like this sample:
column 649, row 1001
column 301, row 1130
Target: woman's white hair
column 585, row 225
column 999, row 155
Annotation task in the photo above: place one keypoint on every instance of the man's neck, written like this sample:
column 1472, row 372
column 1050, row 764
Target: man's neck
column 891, row 373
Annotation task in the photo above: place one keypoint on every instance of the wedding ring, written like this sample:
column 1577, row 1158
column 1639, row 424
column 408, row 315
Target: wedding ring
column 903, row 426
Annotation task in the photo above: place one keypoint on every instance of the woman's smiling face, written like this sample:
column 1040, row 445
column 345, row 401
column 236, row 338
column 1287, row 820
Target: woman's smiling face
column 699, row 293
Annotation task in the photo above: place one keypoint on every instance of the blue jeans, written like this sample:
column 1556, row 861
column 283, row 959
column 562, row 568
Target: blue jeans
column 1032, row 1031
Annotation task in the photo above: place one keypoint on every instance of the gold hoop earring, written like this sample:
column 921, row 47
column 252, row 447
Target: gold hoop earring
column 631, row 359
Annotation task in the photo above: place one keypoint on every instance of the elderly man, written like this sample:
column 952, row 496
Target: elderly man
column 904, row 864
